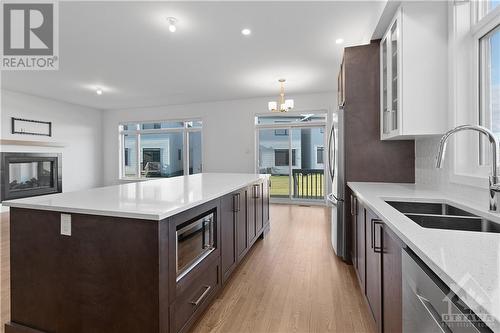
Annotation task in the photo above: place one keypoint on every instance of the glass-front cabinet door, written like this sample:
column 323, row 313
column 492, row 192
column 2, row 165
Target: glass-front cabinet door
column 394, row 75
column 385, row 115
column 389, row 80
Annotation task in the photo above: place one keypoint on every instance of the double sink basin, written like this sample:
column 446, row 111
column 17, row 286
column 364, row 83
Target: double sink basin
column 438, row 215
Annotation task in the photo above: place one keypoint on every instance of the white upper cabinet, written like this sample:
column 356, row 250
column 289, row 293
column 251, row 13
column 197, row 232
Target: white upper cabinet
column 414, row 72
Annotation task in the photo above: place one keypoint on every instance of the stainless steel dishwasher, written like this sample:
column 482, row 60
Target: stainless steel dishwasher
column 428, row 304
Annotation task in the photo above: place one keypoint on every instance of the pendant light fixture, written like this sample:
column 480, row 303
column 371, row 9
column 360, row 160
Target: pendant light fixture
column 283, row 105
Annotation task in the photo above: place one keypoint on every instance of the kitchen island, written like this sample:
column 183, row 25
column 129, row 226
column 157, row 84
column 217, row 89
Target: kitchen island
column 138, row 257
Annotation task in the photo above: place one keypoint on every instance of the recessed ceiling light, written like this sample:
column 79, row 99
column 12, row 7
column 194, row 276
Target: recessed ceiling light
column 339, row 41
column 98, row 91
column 172, row 21
column 246, row 32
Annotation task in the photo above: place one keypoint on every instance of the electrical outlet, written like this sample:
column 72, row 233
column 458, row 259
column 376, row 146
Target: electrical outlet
column 66, row 224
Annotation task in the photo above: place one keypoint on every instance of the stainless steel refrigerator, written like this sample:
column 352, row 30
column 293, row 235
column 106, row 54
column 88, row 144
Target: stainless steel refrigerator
column 337, row 196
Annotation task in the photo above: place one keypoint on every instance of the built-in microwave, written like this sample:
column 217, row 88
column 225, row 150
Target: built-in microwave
column 195, row 240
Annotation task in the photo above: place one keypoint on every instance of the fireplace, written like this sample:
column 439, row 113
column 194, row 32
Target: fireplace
column 30, row 174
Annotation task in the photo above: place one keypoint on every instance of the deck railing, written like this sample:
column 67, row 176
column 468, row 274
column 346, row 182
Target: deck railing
column 308, row 183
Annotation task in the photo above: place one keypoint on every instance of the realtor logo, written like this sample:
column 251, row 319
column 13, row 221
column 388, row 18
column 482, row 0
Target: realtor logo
column 29, row 36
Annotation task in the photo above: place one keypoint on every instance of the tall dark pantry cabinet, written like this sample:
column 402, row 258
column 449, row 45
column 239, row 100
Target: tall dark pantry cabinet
column 369, row 159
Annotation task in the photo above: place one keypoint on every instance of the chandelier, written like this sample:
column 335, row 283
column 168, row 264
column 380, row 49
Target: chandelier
column 284, row 104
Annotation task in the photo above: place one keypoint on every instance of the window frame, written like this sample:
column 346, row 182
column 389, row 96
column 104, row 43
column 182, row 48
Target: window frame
column 465, row 36
column 138, row 131
column 483, row 96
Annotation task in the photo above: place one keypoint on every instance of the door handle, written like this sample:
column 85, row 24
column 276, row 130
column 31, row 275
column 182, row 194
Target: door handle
column 202, row 296
column 376, row 249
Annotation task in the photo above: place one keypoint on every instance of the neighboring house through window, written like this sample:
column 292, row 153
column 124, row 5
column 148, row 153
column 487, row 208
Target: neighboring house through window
column 281, row 157
column 126, row 156
column 161, row 149
column 319, row 155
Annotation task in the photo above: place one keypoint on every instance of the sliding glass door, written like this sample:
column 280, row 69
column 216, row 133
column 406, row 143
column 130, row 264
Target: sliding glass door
column 291, row 149
column 275, row 159
column 308, row 174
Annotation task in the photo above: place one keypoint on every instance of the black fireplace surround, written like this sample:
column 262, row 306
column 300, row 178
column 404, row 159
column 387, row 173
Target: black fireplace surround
column 30, row 174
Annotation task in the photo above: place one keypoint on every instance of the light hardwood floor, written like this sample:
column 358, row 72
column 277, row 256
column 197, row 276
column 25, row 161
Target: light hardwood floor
column 289, row 282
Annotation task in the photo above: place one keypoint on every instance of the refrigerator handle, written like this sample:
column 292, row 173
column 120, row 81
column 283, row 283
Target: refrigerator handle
column 331, row 159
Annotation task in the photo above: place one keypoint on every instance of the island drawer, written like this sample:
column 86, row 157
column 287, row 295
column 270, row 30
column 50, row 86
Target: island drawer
column 193, row 295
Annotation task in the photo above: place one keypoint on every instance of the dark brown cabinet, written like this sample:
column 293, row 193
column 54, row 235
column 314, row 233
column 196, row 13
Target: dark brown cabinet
column 265, row 202
column 376, row 252
column 360, row 245
column 251, row 202
column 259, row 207
column 241, row 219
column 230, row 207
column 235, row 242
column 392, row 295
column 373, row 287
column 244, row 216
column 255, row 211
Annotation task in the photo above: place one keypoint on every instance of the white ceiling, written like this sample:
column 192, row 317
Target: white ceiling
column 126, row 48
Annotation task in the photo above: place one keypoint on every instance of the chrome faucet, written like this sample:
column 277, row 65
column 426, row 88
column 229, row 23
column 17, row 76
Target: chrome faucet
column 494, row 180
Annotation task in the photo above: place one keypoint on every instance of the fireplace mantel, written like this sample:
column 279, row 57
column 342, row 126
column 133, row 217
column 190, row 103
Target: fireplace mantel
column 9, row 142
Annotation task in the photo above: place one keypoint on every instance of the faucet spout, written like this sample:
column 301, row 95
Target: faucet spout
column 493, row 179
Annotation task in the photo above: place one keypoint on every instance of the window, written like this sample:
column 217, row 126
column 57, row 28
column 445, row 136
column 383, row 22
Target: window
column 490, row 80
column 281, row 157
column 161, row 149
column 484, row 7
column 130, row 152
column 489, row 84
column 126, row 155
column 472, row 60
column 319, row 155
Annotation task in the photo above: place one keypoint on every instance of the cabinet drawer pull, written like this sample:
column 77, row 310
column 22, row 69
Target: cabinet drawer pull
column 202, row 296
column 256, row 187
column 376, row 249
column 354, row 206
column 236, row 202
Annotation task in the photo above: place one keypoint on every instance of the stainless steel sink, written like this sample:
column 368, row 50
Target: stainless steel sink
column 435, row 208
column 466, row 223
column 443, row 216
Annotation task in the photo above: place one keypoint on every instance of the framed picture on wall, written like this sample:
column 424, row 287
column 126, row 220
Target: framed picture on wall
column 31, row 127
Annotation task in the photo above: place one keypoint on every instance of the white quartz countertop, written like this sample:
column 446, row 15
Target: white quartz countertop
column 155, row 199
column 468, row 262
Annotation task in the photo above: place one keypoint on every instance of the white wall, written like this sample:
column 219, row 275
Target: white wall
column 228, row 129
column 79, row 128
column 460, row 175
